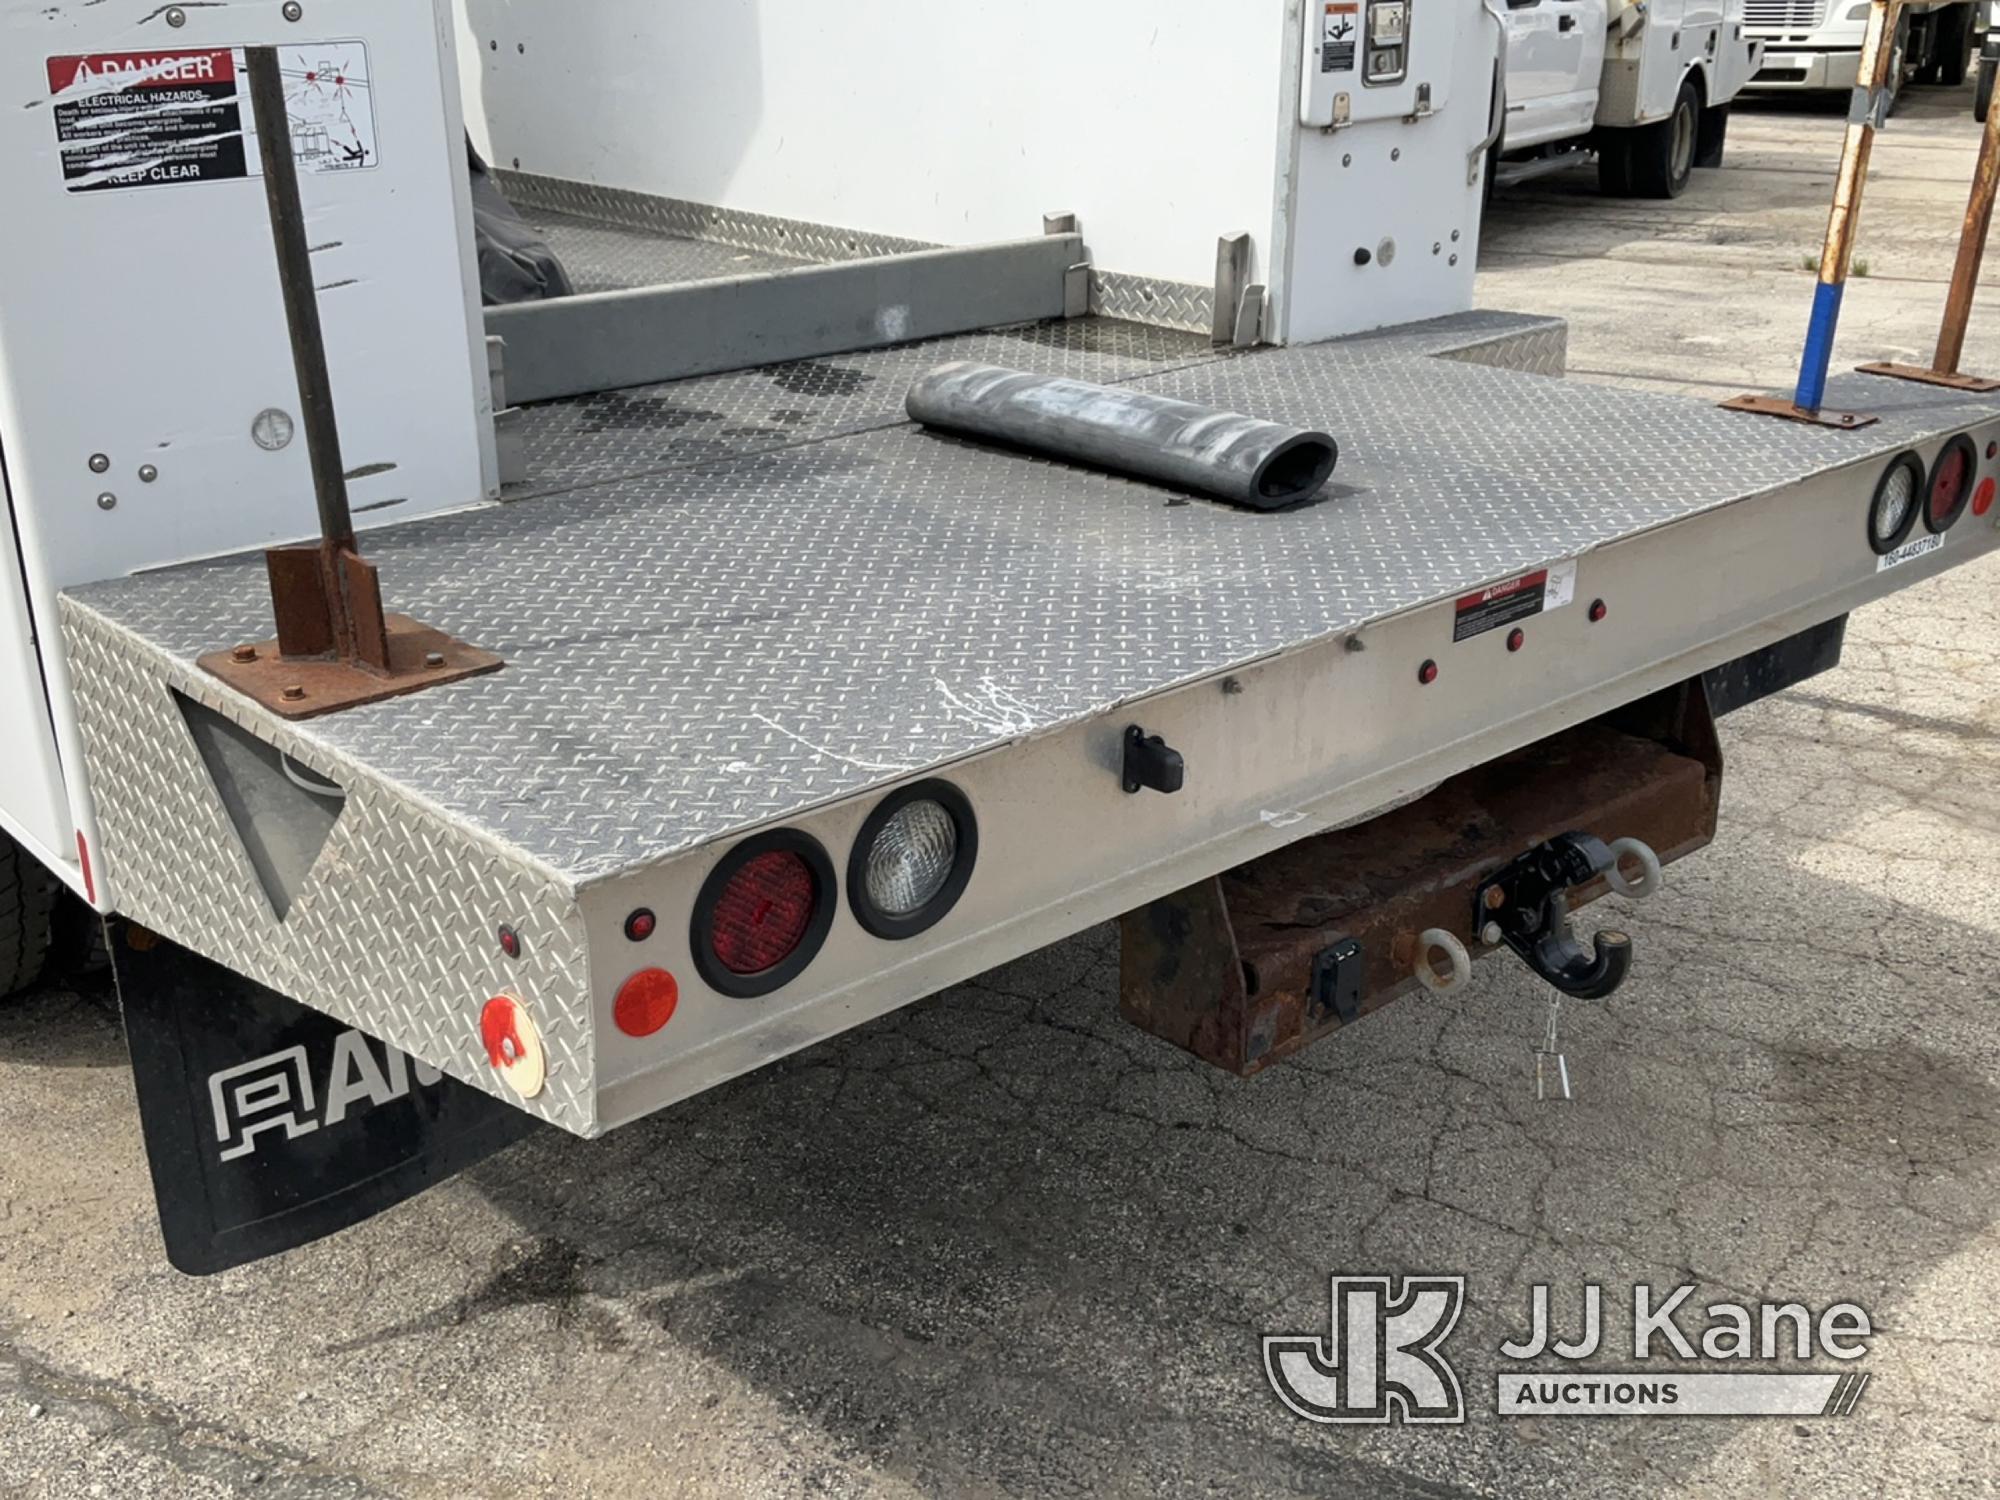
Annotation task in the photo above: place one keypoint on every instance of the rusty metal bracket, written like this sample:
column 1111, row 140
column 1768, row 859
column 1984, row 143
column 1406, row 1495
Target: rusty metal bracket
column 334, row 647
column 1246, row 968
column 1929, row 376
column 1777, row 406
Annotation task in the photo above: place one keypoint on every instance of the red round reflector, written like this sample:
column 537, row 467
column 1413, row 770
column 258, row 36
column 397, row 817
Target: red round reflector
column 763, row 913
column 1982, row 498
column 499, row 1031
column 646, row 1002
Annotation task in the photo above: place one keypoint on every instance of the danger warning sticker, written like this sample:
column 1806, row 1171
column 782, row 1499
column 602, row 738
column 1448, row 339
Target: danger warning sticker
column 136, row 119
column 1516, row 599
column 1338, row 33
column 149, row 119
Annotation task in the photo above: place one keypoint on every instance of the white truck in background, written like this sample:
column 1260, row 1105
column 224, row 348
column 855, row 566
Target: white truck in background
column 1646, row 84
column 1814, row 46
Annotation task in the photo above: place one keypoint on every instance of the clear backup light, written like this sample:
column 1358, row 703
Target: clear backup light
column 912, row 859
column 1893, row 510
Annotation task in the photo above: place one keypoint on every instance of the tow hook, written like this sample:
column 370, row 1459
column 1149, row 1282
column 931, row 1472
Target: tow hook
column 1526, row 906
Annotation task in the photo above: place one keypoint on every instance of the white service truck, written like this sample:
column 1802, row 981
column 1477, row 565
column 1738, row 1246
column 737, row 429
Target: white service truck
column 723, row 706
column 1646, row 84
column 1814, row 46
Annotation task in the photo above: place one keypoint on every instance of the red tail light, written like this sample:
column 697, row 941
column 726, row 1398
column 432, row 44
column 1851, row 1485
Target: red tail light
column 763, row 913
column 1950, row 484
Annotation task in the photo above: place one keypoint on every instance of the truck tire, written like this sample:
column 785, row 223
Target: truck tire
column 27, row 917
column 1662, row 154
column 1714, row 132
column 1614, row 163
column 1951, row 48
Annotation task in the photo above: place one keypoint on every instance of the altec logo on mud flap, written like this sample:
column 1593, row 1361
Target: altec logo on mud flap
column 276, row 1092
column 1383, row 1362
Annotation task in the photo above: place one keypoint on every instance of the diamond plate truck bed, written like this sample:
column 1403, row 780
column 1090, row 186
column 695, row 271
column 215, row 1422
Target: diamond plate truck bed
column 763, row 599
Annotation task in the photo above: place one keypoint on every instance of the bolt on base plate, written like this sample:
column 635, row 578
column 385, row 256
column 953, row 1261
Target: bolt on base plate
column 1777, row 406
column 1928, row 376
column 302, row 688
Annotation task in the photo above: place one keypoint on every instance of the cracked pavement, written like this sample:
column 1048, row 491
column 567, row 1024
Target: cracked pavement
column 1001, row 1243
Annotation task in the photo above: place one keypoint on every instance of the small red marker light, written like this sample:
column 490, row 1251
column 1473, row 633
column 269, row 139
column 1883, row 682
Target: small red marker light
column 646, row 1002
column 510, row 941
column 640, row 925
column 1427, row 673
column 1982, row 498
column 1516, row 638
column 1993, row 450
column 1598, row 610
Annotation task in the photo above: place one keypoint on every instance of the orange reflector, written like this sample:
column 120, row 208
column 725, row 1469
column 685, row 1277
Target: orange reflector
column 646, row 1002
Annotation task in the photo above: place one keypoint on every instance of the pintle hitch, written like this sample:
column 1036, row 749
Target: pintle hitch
column 1526, row 907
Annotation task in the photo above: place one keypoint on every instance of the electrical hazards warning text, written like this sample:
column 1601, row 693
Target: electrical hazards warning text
column 138, row 119
column 150, row 119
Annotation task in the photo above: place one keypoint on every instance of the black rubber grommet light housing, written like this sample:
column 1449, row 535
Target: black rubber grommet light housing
column 717, row 975
column 1919, row 501
column 1960, row 444
column 885, row 924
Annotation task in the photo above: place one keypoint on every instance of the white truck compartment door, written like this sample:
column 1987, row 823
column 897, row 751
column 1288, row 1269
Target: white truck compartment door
column 33, row 808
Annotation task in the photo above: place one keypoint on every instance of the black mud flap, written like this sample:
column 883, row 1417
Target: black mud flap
column 1748, row 679
column 269, row 1125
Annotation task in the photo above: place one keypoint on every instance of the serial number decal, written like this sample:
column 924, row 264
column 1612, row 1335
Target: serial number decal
column 1923, row 546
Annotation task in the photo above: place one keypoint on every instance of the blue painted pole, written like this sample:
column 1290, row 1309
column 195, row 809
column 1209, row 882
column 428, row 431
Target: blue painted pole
column 1870, row 92
column 1818, row 356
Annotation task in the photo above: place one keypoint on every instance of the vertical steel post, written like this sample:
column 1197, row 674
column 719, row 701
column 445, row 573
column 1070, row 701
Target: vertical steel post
column 1878, row 47
column 295, row 277
column 1971, row 250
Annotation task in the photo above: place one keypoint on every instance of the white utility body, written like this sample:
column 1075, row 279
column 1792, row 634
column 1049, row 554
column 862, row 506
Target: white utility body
column 1647, row 84
column 768, row 651
column 1814, row 46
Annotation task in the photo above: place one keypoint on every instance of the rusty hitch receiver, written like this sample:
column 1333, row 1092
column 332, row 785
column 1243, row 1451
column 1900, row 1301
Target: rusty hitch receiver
column 334, row 647
column 1527, row 908
column 1253, row 965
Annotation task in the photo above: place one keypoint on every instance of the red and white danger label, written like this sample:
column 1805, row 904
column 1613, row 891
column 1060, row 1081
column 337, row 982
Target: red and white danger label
column 1516, row 599
column 141, row 119
column 144, row 119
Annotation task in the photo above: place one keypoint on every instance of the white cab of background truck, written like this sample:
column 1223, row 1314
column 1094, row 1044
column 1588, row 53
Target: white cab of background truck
column 1647, row 84
column 1815, row 45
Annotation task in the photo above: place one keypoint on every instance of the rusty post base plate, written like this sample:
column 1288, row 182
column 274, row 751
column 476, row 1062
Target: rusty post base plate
column 305, row 687
column 1775, row 406
column 1931, row 377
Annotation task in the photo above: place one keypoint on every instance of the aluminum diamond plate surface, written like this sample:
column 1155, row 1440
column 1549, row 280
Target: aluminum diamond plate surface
column 677, row 218
column 610, row 257
column 410, row 964
column 620, row 434
column 697, row 651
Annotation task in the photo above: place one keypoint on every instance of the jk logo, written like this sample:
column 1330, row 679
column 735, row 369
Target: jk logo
column 1382, row 1361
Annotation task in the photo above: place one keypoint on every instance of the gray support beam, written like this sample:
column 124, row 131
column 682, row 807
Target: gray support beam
column 602, row 341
